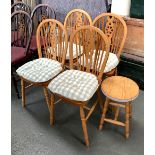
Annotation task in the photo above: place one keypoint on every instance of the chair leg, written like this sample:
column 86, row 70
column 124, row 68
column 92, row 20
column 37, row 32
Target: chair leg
column 52, row 109
column 100, row 100
column 23, row 92
column 50, row 104
column 83, row 119
column 47, row 97
column 104, row 113
column 127, row 111
column 15, row 85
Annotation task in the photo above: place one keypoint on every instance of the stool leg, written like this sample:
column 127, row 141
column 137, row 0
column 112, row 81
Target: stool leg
column 130, row 110
column 104, row 113
column 84, row 126
column 127, row 113
column 23, row 92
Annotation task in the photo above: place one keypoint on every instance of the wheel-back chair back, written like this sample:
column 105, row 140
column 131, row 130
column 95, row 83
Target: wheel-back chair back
column 51, row 40
column 21, row 28
column 75, row 19
column 20, row 6
column 40, row 13
column 115, row 29
column 91, row 51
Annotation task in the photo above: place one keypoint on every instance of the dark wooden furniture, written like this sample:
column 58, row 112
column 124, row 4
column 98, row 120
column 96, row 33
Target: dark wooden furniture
column 119, row 92
column 21, row 28
column 134, row 44
column 38, row 14
column 20, row 6
column 132, row 57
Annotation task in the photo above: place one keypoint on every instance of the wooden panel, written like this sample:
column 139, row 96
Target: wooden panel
column 134, row 44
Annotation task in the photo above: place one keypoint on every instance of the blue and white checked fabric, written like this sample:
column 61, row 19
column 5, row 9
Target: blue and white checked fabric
column 39, row 70
column 112, row 61
column 75, row 48
column 75, row 85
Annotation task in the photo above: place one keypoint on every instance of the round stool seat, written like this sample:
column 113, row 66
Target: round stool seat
column 120, row 89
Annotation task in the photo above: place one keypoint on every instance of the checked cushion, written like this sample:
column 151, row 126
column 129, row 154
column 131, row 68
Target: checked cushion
column 39, row 70
column 75, row 85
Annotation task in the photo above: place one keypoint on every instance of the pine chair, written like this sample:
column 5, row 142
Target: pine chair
column 116, row 30
column 51, row 60
column 79, row 84
column 21, row 28
column 20, row 6
column 75, row 19
column 38, row 14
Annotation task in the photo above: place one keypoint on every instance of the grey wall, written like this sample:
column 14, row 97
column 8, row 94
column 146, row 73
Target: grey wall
column 62, row 7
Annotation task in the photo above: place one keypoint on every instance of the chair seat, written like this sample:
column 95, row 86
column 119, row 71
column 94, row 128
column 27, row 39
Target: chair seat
column 111, row 63
column 39, row 70
column 75, row 85
column 17, row 54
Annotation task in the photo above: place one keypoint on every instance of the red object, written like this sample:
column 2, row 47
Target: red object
column 14, row 36
column 33, row 44
column 17, row 54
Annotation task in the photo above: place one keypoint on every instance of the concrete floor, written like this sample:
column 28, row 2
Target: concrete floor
column 32, row 134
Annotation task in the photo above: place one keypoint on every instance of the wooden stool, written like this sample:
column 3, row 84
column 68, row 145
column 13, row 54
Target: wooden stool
column 119, row 92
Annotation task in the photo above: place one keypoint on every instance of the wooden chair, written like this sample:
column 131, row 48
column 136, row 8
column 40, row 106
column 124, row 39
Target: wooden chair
column 38, row 14
column 21, row 28
column 51, row 60
column 116, row 30
column 20, row 6
column 75, row 19
column 79, row 84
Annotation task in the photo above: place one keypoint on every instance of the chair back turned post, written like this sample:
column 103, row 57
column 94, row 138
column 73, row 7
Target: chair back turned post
column 115, row 29
column 92, row 50
column 52, row 40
